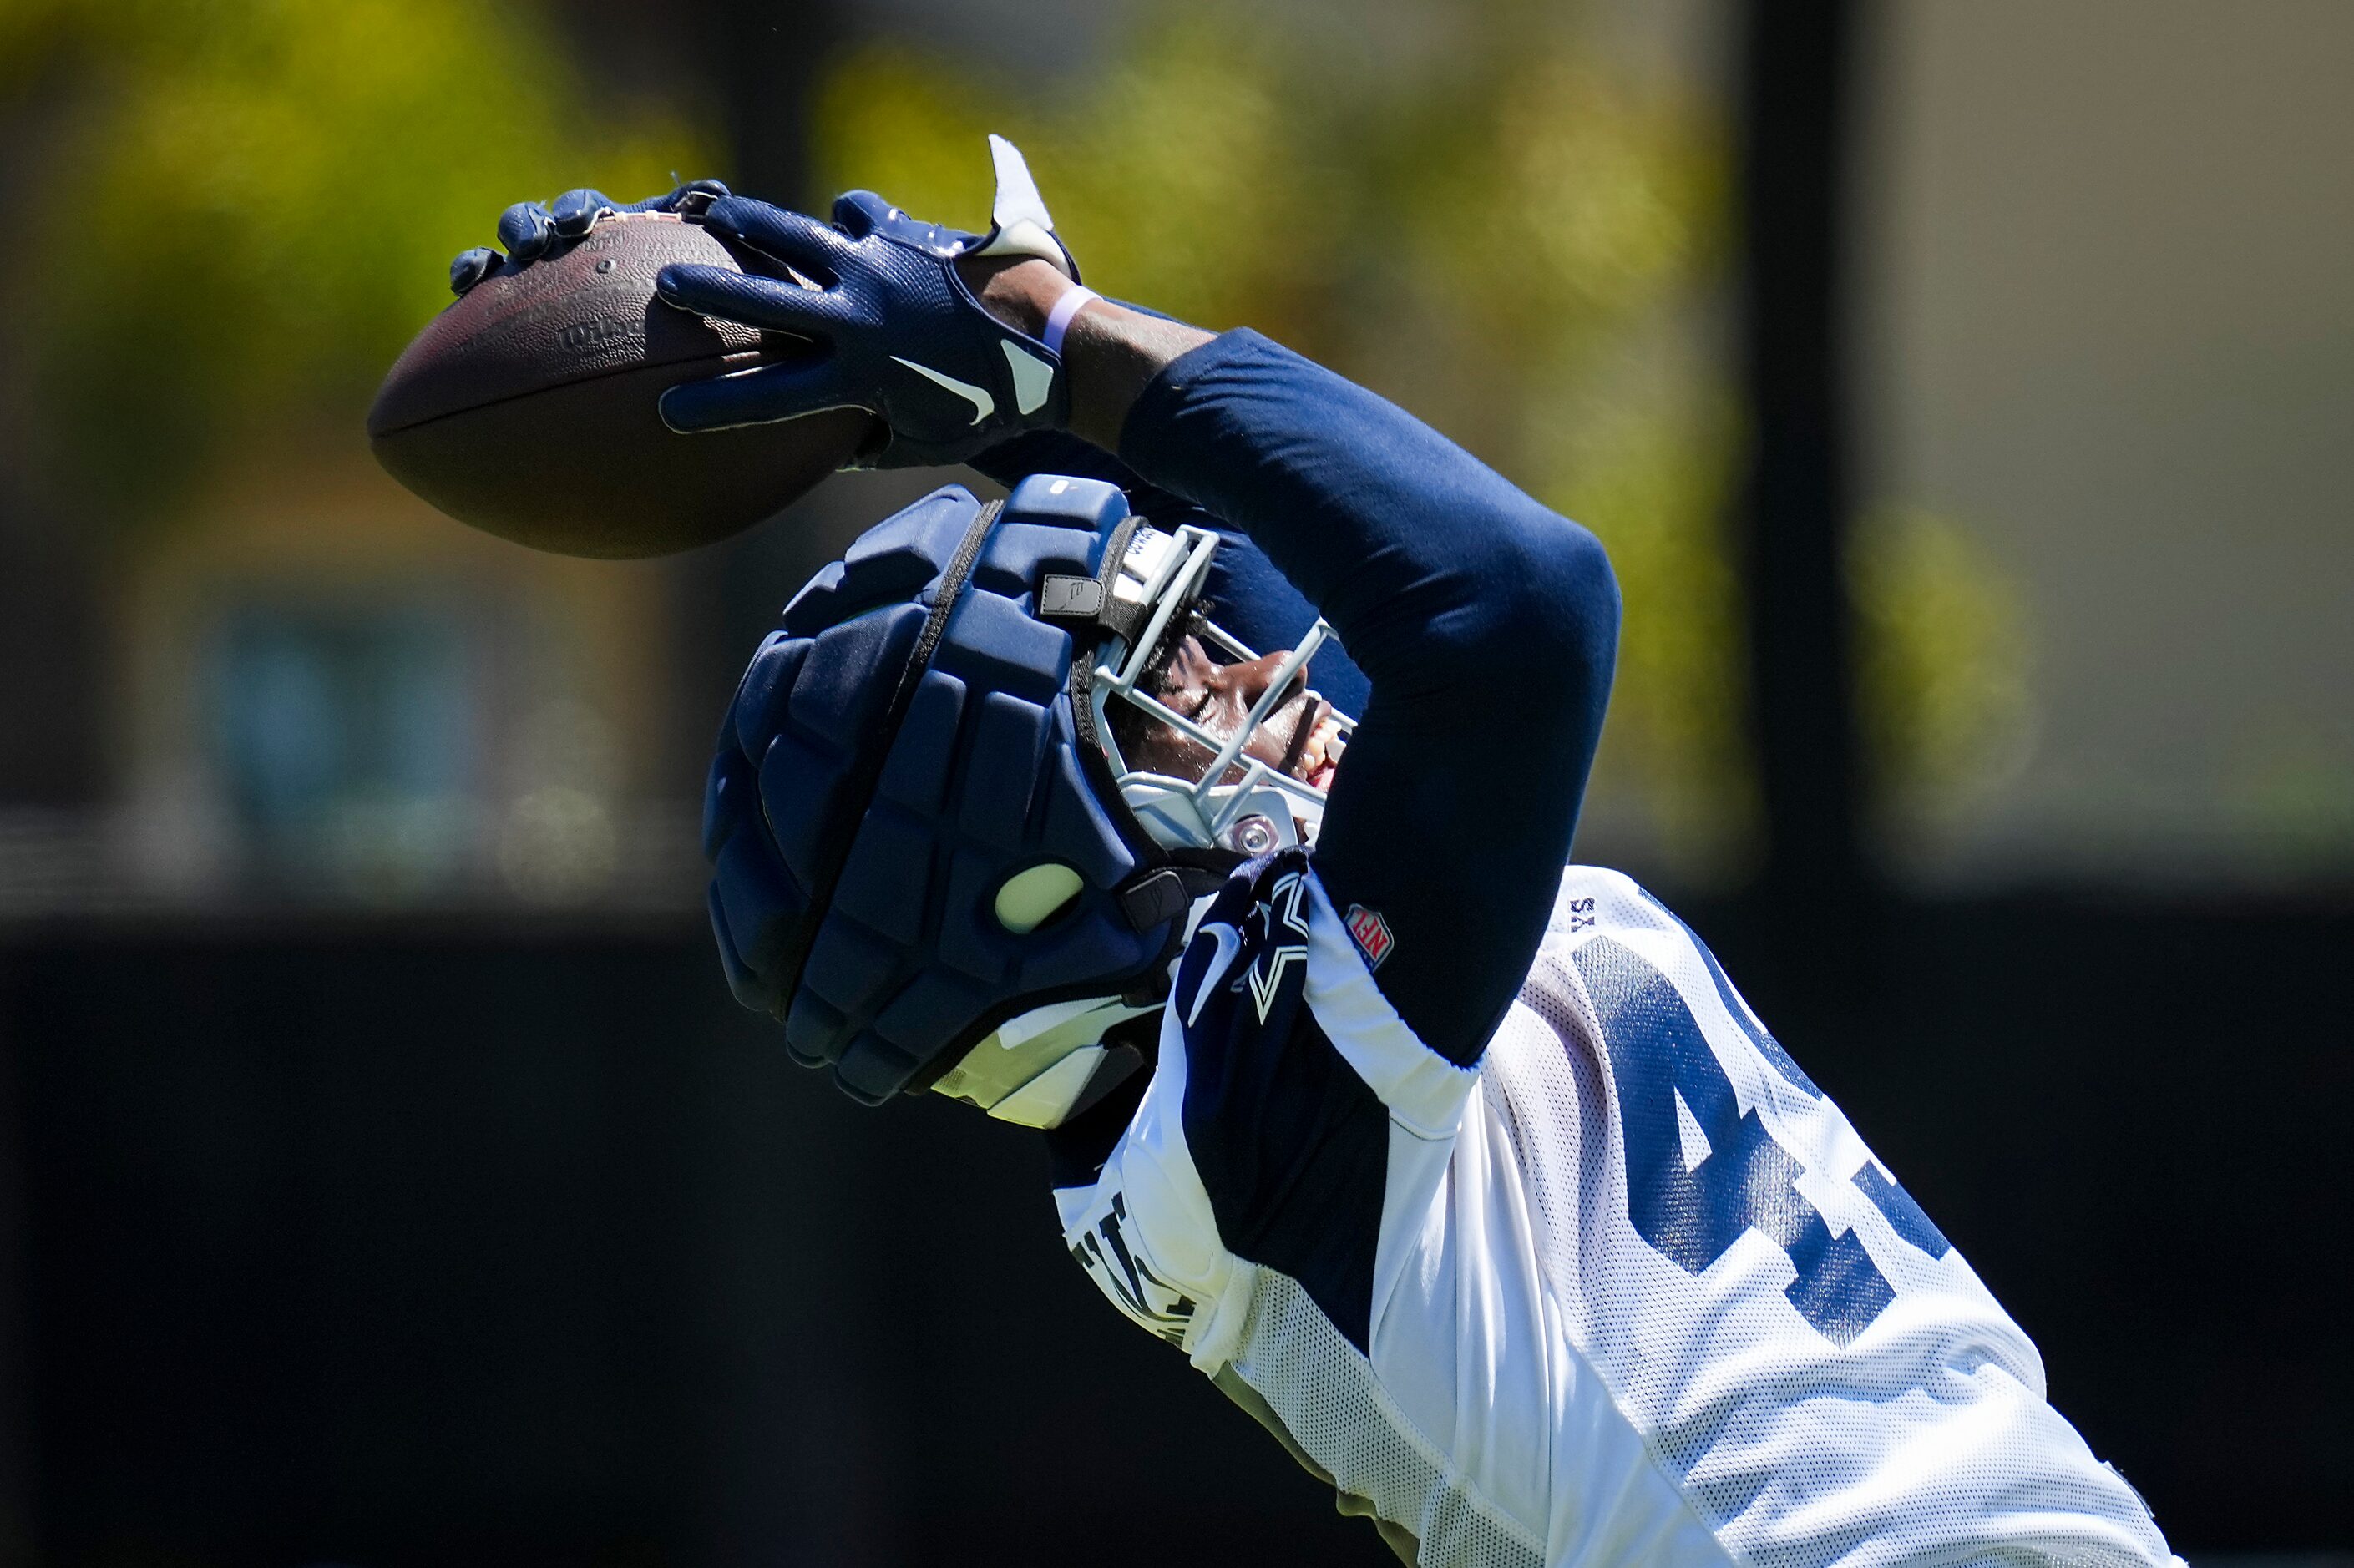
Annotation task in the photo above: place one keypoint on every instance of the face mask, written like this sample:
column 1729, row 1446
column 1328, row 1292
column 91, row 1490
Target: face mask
column 1207, row 791
column 1223, row 797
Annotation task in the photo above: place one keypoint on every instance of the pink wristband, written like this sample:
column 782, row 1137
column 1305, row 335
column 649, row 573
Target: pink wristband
column 1058, row 319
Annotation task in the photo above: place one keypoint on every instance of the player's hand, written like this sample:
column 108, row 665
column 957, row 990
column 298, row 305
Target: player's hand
column 530, row 229
column 890, row 302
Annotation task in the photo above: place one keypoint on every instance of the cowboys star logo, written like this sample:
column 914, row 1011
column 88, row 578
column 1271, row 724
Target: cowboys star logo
column 1281, row 916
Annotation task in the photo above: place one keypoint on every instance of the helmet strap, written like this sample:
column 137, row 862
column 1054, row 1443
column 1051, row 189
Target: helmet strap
column 860, row 792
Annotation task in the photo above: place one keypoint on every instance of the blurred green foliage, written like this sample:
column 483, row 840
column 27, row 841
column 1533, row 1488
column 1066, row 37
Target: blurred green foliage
column 245, row 207
column 250, row 205
column 1493, row 227
column 1943, row 669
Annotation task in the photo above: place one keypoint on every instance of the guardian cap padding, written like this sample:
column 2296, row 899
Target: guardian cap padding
column 895, row 755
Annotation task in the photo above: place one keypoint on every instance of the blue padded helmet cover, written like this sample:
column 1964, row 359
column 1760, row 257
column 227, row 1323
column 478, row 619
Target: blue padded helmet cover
column 906, row 966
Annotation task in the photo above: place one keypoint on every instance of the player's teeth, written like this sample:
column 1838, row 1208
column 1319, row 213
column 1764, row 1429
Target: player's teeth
column 1321, row 755
column 1320, row 745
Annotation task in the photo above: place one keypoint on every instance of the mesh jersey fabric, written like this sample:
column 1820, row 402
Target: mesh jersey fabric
column 1638, row 1292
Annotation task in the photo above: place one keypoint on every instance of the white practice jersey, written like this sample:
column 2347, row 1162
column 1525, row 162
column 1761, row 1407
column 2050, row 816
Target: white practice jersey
column 1629, row 1290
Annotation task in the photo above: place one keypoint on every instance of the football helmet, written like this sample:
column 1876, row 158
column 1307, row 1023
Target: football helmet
column 934, row 859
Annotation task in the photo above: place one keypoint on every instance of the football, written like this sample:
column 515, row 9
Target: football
column 527, row 407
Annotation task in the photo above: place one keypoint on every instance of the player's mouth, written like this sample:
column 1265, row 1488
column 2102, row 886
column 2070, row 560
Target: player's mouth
column 1319, row 756
column 1323, row 758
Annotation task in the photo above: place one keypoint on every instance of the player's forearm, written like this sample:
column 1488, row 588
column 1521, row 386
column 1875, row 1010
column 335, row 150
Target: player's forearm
column 1487, row 623
column 1114, row 353
column 1429, row 564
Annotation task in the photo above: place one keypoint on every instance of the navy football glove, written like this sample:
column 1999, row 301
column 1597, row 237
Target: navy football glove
column 901, row 332
column 530, row 231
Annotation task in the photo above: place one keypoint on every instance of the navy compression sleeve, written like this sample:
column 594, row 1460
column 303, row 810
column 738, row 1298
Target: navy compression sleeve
column 1486, row 624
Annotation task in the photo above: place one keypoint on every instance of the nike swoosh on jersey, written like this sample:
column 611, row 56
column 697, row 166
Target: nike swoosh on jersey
column 1229, row 943
column 983, row 405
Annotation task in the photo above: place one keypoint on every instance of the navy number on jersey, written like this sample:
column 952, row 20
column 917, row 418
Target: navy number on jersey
column 1702, row 1172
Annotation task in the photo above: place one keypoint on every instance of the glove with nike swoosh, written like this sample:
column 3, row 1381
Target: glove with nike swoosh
column 898, row 330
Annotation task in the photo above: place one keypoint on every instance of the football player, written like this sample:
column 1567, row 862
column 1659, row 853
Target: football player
column 1472, row 1177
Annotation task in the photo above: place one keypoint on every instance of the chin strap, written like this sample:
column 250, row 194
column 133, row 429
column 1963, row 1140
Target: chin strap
column 1166, row 892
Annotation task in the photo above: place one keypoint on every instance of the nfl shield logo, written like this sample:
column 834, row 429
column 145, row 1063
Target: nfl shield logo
column 1372, row 934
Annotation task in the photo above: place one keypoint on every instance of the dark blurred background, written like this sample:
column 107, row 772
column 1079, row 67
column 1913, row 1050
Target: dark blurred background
column 386, row 1176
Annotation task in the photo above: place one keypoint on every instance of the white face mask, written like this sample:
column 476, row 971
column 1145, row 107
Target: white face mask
column 1042, row 1067
column 1237, row 802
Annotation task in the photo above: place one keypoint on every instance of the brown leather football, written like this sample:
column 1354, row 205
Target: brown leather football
column 527, row 407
